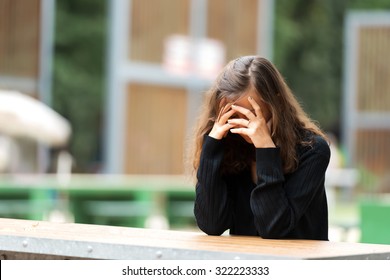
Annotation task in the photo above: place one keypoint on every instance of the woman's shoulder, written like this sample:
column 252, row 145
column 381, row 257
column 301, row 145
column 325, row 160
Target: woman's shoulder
column 316, row 144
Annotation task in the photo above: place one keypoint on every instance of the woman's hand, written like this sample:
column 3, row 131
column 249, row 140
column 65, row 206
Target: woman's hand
column 253, row 128
column 221, row 126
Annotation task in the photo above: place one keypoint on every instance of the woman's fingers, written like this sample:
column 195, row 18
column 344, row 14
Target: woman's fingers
column 225, row 117
column 221, row 126
column 239, row 122
column 239, row 130
column 246, row 112
column 256, row 107
column 224, row 109
column 252, row 125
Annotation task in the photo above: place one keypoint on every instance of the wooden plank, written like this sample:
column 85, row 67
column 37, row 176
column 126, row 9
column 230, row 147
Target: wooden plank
column 235, row 24
column 19, row 38
column 147, row 41
column 155, row 129
column 93, row 241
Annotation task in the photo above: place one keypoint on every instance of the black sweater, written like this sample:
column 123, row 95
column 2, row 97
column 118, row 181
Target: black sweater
column 292, row 206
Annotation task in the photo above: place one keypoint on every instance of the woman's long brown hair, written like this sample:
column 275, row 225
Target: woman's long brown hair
column 289, row 121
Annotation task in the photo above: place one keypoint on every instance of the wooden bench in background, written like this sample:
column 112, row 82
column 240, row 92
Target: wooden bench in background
column 118, row 200
column 27, row 239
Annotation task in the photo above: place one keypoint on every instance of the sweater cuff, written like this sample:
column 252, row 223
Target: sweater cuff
column 268, row 158
column 212, row 147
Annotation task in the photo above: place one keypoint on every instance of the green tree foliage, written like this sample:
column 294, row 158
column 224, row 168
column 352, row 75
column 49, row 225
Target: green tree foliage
column 79, row 72
column 309, row 51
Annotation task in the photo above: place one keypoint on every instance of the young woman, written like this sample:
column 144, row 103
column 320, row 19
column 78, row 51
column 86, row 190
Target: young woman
column 260, row 161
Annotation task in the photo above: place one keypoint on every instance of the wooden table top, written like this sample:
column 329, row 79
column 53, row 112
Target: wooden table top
column 110, row 242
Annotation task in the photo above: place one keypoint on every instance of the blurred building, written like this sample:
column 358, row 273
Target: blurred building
column 366, row 106
column 26, row 29
column 155, row 85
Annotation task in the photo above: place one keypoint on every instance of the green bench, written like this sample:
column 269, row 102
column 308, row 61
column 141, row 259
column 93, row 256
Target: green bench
column 100, row 199
column 375, row 220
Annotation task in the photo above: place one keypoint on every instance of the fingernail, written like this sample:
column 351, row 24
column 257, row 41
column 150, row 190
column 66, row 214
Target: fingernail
column 250, row 98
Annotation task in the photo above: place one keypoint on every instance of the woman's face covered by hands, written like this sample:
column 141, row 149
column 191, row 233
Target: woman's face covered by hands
column 248, row 116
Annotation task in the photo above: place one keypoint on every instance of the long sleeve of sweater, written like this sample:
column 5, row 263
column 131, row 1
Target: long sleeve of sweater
column 212, row 203
column 278, row 202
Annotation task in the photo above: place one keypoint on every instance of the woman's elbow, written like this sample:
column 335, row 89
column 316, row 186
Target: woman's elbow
column 211, row 229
